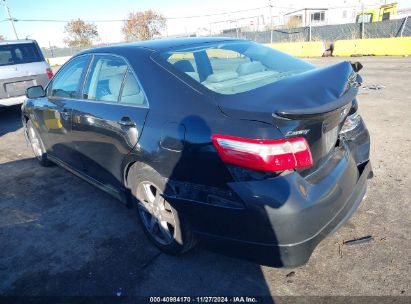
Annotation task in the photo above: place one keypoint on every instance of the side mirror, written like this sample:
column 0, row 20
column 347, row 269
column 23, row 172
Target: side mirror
column 35, row 92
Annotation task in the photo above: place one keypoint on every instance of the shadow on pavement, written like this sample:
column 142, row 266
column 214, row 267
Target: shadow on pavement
column 61, row 236
column 10, row 119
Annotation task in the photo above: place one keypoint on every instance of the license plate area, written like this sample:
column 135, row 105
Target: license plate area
column 19, row 85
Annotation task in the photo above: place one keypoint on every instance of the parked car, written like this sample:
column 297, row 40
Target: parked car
column 22, row 65
column 250, row 151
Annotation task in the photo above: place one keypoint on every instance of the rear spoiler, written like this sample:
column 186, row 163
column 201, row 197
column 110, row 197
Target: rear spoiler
column 321, row 111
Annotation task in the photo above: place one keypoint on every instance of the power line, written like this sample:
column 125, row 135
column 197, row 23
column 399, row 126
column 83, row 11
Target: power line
column 167, row 18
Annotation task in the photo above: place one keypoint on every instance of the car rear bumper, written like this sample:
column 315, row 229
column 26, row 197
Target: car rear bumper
column 11, row 101
column 279, row 221
column 305, row 228
column 283, row 218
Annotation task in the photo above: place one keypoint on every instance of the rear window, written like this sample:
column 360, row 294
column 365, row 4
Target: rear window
column 19, row 53
column 234, row 67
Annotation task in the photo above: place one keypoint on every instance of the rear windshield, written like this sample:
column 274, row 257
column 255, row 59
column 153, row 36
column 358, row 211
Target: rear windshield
column 19, row 53
column 234, row 67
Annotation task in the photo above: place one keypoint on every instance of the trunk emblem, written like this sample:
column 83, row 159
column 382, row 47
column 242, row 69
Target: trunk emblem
column 299, row 132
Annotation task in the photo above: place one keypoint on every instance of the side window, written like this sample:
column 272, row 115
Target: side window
column 132, row 93
column 105, row 78
column 67, row 82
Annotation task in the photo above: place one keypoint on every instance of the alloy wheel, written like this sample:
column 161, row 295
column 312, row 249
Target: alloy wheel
column 35, row 143
column 156, row 213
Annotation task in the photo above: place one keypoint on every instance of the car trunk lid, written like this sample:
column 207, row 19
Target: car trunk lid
column 313, row 104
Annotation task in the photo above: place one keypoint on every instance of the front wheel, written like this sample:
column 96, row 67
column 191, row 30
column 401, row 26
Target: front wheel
column 161, row 222
column 37, row 145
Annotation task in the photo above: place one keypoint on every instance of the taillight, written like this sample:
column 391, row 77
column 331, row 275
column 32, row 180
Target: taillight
column 262, row 154
column 49, row 73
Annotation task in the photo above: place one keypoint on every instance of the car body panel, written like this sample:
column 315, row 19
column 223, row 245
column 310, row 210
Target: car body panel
column 99, row 139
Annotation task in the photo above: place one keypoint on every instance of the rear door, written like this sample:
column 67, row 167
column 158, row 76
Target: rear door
column 108, row 121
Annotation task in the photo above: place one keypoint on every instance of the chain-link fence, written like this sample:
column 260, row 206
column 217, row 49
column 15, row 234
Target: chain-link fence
column 67, row 51
column 60, row 52
column 382, row 29
column 327, row 33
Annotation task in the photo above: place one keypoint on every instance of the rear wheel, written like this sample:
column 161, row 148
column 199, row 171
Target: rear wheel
column 161, row 222
column 37, row 145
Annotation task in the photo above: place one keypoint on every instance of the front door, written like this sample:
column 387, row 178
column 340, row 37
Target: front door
column 55, row 111
column 108, row 121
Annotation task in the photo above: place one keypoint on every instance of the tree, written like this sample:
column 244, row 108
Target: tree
column 2, row 38
column 143, row 25
column 80, row 33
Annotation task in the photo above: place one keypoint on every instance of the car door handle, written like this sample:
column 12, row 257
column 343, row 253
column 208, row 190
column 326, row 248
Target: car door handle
column 127, row 122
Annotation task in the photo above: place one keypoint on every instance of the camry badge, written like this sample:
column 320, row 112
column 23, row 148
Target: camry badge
column 298, row 132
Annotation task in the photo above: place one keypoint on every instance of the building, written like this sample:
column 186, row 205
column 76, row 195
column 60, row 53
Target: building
column 322, row 16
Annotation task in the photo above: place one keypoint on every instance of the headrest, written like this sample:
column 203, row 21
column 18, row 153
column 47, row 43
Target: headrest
column 250, row 68
column 184, row 65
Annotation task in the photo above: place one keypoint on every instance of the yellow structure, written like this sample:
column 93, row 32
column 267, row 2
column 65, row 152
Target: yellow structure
column 300, row 49
column 381, row 13
column 399, row 46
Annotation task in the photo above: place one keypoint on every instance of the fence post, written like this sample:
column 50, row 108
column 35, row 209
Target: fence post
column 309, row 33
column 362, row 21
column 403, row 26
column 271, row 23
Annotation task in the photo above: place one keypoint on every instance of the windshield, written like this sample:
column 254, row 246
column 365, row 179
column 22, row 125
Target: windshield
column 19, row 53
column 234, row 67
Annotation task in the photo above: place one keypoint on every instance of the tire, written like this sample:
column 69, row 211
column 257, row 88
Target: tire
column 163, row 225
column 37, row 145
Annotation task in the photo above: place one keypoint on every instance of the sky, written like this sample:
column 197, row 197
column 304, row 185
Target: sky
column 53, row 32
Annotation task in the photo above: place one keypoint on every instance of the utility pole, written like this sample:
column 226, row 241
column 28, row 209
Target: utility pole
column 51, row 50
column 271, row 22
column 309, row 33
column 362, row 17
column 6, row 8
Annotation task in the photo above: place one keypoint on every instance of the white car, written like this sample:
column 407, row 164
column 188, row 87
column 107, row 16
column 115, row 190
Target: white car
column 22, row 65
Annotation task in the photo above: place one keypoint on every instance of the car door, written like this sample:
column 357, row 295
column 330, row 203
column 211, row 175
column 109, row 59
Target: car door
column 108, row 121
column 54, row 111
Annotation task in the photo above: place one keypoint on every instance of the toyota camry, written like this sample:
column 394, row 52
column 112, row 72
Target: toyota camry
column 217, row 141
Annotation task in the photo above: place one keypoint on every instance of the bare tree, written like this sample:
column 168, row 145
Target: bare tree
column 80, row 33
column 143, row 25
column 2, row 38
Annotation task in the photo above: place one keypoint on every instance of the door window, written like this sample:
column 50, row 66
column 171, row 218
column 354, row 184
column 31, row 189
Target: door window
column 386, row 16
column 66, row 83
column 105, row 79
column 132, row 93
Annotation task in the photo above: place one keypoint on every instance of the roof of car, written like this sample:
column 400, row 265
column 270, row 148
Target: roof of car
column 19, row 41
column 161, row 44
